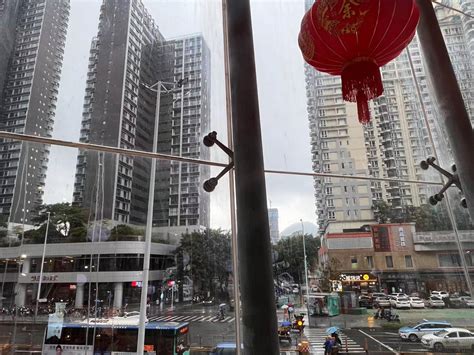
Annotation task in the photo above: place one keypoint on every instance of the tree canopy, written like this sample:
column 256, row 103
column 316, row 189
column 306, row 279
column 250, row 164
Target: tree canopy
column 206, row 260
column 290, row 257
column 67, row 223
column 426, row 217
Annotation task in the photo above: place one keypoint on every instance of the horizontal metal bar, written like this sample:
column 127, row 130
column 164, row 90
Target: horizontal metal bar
column 354, row 177
column 144, row 154
column 104, row 148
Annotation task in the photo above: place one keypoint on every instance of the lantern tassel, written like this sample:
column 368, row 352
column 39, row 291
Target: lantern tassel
column 363, row 108
column 361, row 81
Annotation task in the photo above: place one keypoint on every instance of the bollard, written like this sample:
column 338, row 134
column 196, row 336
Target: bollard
column 347, row 347
column 366, row 346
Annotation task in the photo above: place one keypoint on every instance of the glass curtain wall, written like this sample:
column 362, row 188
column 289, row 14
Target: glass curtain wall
column 109, row 242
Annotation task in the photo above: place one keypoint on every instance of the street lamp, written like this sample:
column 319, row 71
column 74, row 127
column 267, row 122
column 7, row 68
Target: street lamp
column 158, row 87
column 305, row 269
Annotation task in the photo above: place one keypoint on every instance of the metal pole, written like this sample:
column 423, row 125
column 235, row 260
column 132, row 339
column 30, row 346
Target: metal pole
column 149, row 225
column 305, row 269
column 233, row 216
column 38, row 294
column 259, row 318
column 453, row 116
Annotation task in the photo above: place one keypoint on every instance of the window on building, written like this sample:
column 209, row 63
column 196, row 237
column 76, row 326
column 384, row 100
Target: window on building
column 370, row 262
column 408, row 261
column 449, row 260
column 389, row 261
column 354, row 262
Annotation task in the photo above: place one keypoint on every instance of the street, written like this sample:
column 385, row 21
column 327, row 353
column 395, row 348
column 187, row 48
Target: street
column 358, row 332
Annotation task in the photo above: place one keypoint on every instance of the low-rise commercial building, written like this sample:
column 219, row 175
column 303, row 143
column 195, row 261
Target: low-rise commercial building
column 394, row 258
column 72, row 272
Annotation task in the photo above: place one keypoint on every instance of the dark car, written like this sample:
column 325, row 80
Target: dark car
column 366, row 301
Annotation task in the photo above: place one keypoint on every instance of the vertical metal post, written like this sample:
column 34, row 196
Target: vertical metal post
column 454, row 116
column 148, row 229
column 305, row 269
column 42, row 266
column 259, row 318
column 233, row 215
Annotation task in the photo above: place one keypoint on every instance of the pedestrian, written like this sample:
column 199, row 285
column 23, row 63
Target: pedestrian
column 337, row 340
column 328, row 345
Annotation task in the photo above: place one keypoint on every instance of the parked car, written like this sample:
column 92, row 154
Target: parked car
column 374, row 295
column 449, row 339
column 453, row 302
column 398, row 294
column 365, row 301
column 416, row 302
column 440, row 294
column 426, row 327
column 436, row 302
column 382, row 302
column 467, row 301
column 400, row 302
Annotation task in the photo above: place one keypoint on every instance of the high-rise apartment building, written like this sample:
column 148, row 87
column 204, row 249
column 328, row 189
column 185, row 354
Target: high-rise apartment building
column 391, row 146
column 128, row 55
column 33, row 34
column 273, row 223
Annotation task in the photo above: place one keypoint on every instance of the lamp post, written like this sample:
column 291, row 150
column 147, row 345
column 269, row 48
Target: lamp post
column 305, row 269
column 42, row 265
column 158, row 87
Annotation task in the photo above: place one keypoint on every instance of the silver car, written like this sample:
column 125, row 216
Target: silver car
column 382, row 302
column 449, row 339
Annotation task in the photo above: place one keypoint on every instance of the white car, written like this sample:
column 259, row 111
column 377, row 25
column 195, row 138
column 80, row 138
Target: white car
column 398, row 294
column 416, row 302
column 400, row 302
column 449, row 339
column 436, row 302
column 382, row 302
column 440, row 294
column 467, row 301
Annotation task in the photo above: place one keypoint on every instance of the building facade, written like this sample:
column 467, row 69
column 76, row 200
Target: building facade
column 127, row 57
column 33, row 34
column 395, row 257
column 73, row 271
column 273, row 223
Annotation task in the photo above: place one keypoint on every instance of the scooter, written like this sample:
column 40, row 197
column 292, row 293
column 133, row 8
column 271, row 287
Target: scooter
column 298, row 323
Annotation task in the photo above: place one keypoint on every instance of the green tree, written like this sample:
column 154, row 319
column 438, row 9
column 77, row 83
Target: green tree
column 124, row 232
column 290, row 256
column 426, row 217
column 206, row 260
column 67, row 223
column 330, row 271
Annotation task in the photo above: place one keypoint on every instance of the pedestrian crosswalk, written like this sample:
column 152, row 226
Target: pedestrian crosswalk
column 191, row 318
column 317, row 336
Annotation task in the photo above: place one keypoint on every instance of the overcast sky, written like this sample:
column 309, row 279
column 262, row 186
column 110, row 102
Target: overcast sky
column 282, row 96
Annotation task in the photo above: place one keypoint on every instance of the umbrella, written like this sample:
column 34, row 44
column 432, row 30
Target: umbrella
column 332, row 330
column 285, row 306
column 222, row 305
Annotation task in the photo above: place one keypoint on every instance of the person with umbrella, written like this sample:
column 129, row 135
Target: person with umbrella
column 337, row 343
column 222, row 308
column 285, row 312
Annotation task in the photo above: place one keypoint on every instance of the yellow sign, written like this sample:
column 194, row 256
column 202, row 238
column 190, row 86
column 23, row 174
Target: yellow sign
column 366, row 277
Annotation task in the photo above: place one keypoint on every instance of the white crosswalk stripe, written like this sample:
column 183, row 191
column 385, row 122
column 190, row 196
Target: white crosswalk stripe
column 191, row 318
column 316, row 338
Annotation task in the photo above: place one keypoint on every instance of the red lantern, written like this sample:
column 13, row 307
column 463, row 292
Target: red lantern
column 353, row 38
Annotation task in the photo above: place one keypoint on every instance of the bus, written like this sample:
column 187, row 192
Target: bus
column 116, row 336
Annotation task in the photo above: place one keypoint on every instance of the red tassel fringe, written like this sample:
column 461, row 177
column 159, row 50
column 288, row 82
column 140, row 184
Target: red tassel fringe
column 361, row 81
